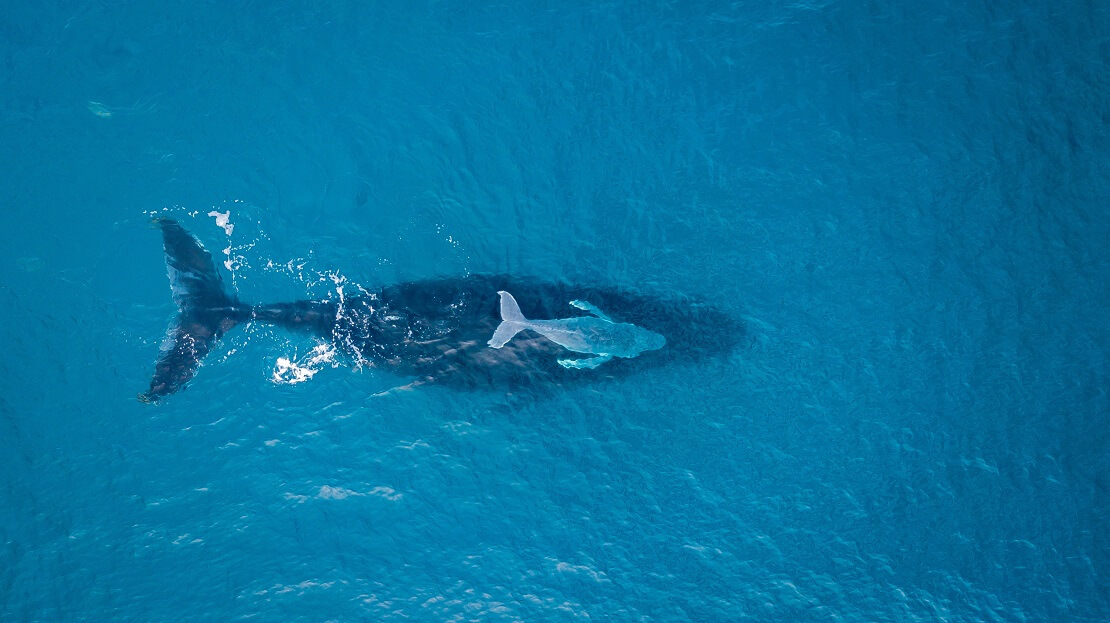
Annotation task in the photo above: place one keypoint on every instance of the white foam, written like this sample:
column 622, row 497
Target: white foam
column 100, row 110
column 386, row 492
column 290, row 371
column 566, row 567
column 335, row 493
column 339, row 493
column 223, row 221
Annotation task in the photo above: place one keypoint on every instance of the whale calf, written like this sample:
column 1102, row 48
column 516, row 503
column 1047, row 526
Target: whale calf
column 438, row 330
column 593, row 335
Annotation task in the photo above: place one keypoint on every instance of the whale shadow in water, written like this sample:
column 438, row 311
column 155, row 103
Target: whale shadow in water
column 433, row 331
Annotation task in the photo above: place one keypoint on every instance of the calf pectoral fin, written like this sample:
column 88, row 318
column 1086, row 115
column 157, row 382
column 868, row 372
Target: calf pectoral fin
column 588, row 307
column 584, row 364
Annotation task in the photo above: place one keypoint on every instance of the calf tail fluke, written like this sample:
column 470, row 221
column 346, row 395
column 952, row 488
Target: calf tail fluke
column 206, row 311
column 512, row 321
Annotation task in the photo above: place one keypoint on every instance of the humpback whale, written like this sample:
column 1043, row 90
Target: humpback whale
column 438, row 330
column 593, row 335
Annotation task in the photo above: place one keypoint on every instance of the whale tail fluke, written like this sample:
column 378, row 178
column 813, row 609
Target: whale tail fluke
column 512, row 321
column 206, row 311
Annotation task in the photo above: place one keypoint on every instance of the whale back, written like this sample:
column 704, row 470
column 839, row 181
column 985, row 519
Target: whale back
column 438, row 330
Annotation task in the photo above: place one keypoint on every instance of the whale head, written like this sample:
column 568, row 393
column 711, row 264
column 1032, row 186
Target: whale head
column 649, row 340
column 629, row 340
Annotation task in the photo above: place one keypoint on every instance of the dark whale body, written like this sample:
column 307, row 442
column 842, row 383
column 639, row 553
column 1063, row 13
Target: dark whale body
column 430, row 331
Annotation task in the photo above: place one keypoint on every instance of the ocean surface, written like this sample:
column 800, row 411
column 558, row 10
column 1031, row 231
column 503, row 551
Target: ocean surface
column 904, row 205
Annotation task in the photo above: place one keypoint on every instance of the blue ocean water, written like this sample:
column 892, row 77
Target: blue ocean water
column 905, row 204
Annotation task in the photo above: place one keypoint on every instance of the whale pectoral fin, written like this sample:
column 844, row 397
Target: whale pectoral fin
column 584, row 364
column 587, row 307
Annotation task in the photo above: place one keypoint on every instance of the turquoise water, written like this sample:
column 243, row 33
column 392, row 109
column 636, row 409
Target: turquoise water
column 904, row 205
